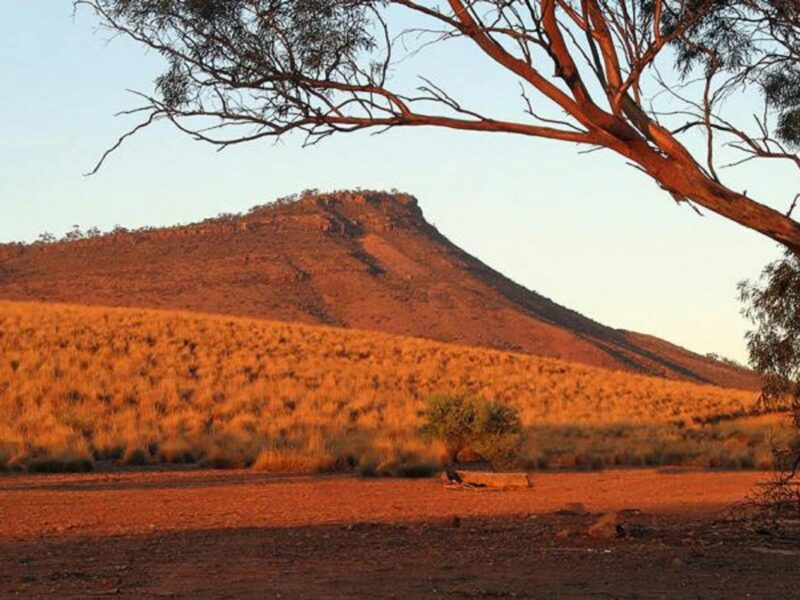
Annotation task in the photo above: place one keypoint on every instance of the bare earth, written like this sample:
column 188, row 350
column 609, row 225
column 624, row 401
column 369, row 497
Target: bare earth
column 240, row 534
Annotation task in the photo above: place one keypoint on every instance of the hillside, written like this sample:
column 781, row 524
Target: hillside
column 86, row 383
column 363, row 260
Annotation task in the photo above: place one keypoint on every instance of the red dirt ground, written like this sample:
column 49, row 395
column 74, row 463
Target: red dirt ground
column 243, row 534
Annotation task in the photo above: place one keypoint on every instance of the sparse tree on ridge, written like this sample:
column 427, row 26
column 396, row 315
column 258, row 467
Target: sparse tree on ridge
column 646, row 79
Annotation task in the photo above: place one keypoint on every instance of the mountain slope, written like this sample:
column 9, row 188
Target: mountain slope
column 366, row 260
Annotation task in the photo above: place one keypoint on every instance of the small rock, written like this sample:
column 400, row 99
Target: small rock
column 605, row 528
column 455, row 521
column 776, row 551
column 677, row 563
column 563, row 534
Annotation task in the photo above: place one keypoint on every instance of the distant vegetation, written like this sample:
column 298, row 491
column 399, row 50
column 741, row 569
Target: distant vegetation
column 76, row 233
column 725, row 360
column 139, row 387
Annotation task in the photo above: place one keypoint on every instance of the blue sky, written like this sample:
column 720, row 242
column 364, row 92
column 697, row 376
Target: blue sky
column 585, row 230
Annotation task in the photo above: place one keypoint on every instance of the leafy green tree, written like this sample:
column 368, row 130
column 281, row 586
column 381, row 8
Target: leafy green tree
column 464, row 422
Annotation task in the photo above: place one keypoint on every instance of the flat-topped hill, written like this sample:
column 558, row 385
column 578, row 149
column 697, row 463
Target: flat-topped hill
column 366, row 260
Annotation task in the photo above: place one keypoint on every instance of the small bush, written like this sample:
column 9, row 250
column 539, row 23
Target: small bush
column 415, row 470
column 136, row 457
column 466, row 423
column 219, row 460
column 397, row 464
column 6, row 454
column 60, row 465
column 291, row 460
column 177, row 451
column 420, row 470
column 58, row 460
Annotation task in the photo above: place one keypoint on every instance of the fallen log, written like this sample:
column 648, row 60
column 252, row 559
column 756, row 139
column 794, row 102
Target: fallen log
column 455, row 479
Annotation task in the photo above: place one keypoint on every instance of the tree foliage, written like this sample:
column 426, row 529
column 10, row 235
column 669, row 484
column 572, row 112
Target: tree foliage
column 464, row 422
column 756, row 42
column 773, row 306
column 649, row 80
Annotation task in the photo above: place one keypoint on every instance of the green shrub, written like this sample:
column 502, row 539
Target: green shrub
column 464, row 422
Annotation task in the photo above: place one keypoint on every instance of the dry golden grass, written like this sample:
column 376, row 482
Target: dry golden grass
column 79, row 384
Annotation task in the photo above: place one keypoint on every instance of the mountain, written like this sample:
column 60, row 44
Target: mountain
column 366, row 260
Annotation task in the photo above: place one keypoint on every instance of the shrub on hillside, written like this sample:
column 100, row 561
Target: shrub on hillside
column 466, row 423
column 58, row 460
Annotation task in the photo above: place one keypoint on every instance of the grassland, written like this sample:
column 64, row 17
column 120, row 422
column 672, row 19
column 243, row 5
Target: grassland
column 83, row 384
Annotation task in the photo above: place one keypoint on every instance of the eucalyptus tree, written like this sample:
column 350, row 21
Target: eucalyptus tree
column 650, row 80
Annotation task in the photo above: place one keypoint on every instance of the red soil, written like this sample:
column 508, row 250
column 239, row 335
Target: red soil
column 240, row 534
column 136, row 502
